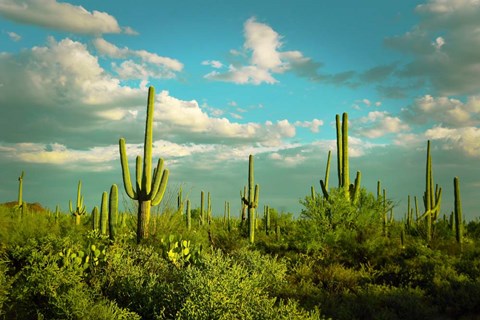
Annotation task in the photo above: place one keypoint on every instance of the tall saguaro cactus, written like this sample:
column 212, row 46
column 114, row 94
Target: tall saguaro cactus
column 79, row 207
column 149, row 189
column 252, row 202
column 432, row 199
column 352, row 191
column 189, row 216
column 113, row 212
column 104, row 214
column 458, row 213
column 20, row 190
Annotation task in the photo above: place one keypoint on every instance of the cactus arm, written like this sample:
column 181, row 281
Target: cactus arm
column 157, row 177
column 70, row 207
column 257, row 193
column 139, row 171
column 127, row 182
column 324, row 189
column 161, row 190
column 356, row 190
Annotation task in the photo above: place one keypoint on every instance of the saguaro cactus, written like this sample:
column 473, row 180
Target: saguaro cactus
column 202, row 218
column 149, row 190
column 458, row 212
column 113, row 212
column 252, row 201
column 20, row 190
column 95, row 218
column 243, row 213
column 267, row 220
column 189, row 216
column 324, row 183
column 431, row 199
column 209, row 208
column 352, row 191
column 179, row 201
column 79, row 207
column 104, row 214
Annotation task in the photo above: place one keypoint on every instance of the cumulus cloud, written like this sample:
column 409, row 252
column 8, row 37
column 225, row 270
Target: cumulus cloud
column 180, row 117
column 262, row 49
column 14, row 36
column 466, row 139
column 378, row 124
column 214, row 63
column 60, row 16
column 447, row 111
column 141, row 64
column 313, row 125
column 444, row 46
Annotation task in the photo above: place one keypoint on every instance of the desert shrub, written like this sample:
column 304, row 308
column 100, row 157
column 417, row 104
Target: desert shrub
column 221, row 288
column 338, row 221
column 382, row 302
column 140, row 279
column 49, row 285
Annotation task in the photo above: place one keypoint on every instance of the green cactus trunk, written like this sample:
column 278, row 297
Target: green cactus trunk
column 458, row 213
column 432, row 199
column 95, row 219
column 143, row 223
column 252, row 201
column 229, row 224
column 189, row 216
column 20, row 190
column 104, row 214
column 180, row 201
column 267, row 220
column 149, row 190
column 202, row 214
column 351, row 192
column 79, row 207
column 113, row 212
column 209, row 209
column 243, row 204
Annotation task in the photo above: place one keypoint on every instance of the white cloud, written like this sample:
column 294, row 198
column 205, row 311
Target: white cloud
column 448, row 111
column 179, row 116
column 14, row 36
column 243, row 75
column 148, row 65
column 60, row 16
column 444, row 46
column 287, row 160
column 313, row 125
column 466, row 139
column 236, row 116
column 378, row 124
column 214, row 63
column 262, row 48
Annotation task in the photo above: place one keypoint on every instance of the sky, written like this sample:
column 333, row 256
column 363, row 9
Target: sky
column 235, row 78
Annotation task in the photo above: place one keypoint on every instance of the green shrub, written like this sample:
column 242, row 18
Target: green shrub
column 222, row 288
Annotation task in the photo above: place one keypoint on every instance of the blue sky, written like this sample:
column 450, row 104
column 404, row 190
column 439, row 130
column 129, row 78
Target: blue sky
column 239, row 78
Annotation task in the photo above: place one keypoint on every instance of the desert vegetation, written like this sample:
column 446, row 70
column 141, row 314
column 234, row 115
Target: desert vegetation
column 344, row 256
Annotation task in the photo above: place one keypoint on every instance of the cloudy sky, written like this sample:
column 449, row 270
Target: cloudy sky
column 251, row 77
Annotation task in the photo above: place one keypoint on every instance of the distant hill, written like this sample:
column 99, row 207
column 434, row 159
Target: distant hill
column 35, row 206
